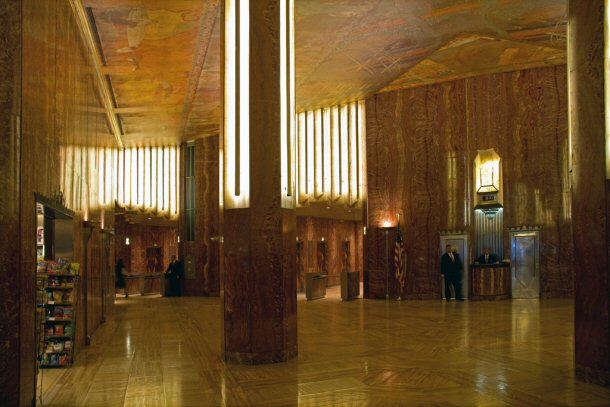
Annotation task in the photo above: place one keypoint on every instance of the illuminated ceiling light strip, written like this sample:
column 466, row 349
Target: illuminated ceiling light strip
column 108, row 178
column 318, row 153
column 291, row 104
column 154, row 177
column 133, row 190
column 287, row 104
column 178, row 182
column 100, row 176
column 121, row 176
column 237, row 100
column 244, row 102
column 336, row 154
column 353, row 154
column 237, row 104
column 166, row 179
column 361, row 147
column 309, row 135
column 140, row 177
column 327, row 151
column 302, row 157
column 106, row 93
column 172, row 181
column 147, row 177
column 159, row 179
column 343, row 131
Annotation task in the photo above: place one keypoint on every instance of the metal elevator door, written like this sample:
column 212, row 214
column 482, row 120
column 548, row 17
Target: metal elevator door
column 524, row 265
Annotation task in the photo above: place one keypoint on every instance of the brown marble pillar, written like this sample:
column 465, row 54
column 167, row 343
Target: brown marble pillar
column 590, row 190
column 259, row 259
column 10, row 111
column 204, row 250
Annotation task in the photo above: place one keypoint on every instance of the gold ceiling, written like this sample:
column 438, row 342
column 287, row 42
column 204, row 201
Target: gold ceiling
column 161, row 58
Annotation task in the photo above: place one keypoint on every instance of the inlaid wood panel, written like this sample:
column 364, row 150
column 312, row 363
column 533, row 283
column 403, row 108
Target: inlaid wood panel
column 421, row 144
column 11, row 274
column 373, row 353
column 590, row 191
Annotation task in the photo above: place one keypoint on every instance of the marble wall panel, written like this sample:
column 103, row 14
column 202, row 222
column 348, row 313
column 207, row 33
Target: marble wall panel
column 421, row 144
column 141, row 238
column 342, row 245
column 529, row 131
column 10, row 266
column 590, row 191
column 59, row 108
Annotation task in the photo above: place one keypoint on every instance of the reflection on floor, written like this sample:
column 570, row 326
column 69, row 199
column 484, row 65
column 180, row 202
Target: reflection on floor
column 165, row 352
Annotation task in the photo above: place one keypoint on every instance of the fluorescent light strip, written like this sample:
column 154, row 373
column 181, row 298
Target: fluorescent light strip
column 147, row 178
column 121, row 176
column 318, row 154
column 326, row 152
column 310, row 153
column 172, row 181
column 154, row 177
column 353, row 153
column 140, row 175
column 343, row 131
column 335, row 141
column 166, row 178
column 302, row 158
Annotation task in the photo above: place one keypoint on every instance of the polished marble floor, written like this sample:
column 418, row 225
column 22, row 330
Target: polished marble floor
column 165, row 352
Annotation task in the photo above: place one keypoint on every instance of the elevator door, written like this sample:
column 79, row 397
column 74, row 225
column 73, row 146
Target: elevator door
column 524, row 264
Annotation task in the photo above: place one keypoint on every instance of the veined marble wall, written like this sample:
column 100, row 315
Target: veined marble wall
column 421, row 144
column 58, row 107
column 340, row 249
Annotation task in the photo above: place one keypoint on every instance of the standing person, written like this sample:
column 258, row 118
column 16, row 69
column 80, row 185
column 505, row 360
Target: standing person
column 119, row 282
column 175, row 274
column 451, row 268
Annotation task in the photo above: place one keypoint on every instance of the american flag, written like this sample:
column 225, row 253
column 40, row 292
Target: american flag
column 400, row 260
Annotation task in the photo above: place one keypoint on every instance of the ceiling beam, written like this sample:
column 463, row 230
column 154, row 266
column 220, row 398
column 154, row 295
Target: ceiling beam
column 105, row 91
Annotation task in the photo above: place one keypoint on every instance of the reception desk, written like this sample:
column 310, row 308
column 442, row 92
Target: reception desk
column 143, row 283
column 490, row 281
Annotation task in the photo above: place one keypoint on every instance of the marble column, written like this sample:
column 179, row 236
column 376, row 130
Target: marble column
column 10, row 275
column 258, row 278
column 590, row 190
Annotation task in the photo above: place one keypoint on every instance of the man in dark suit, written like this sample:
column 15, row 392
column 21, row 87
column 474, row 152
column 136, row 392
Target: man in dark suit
column 175, row 274
column 487, row 257
column 451, row 268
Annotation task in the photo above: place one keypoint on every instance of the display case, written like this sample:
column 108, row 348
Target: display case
column 57, row 296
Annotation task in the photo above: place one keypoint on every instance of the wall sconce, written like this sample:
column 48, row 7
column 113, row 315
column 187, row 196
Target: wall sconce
column 127, row 242
column 178, row 238
column 488, row 194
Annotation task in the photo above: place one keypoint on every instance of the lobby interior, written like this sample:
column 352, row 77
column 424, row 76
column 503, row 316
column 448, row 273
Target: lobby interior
column 269, row 146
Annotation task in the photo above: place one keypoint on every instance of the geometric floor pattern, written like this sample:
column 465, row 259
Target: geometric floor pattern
column 166, row 352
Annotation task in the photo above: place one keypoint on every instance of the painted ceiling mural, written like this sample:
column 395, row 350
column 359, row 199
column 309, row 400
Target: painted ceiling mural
column 162, row 57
